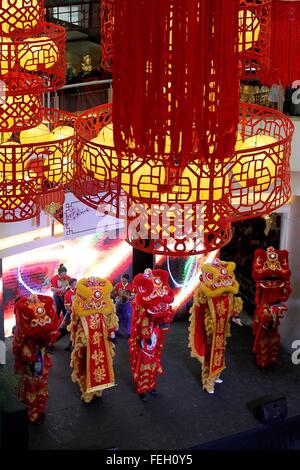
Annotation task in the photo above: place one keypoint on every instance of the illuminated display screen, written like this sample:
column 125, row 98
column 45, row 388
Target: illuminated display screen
column 31, row 271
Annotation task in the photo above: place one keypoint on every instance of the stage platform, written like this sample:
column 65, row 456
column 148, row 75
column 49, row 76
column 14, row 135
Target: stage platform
column 182, row 416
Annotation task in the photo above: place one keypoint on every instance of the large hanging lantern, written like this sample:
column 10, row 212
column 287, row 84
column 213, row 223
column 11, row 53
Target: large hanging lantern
column 254, row 38
column 204, row 198
column 285, row 42
column 37, row 145
column 165, row 156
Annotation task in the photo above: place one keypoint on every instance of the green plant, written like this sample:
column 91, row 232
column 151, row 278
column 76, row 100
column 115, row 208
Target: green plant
column 8, row 383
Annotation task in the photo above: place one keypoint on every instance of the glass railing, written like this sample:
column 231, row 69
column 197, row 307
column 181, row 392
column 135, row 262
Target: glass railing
column 78, row 97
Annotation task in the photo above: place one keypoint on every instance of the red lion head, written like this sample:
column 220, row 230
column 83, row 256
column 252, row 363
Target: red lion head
column 154, row 294
column 272, row 275
column 36, row 316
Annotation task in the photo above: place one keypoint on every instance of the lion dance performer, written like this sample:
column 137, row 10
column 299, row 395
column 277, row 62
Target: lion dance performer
column 152, row 315
column 36, row 329
column 93, row 319
column 272, row 278
column 213, row 307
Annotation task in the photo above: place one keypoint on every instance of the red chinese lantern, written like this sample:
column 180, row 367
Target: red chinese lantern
column 204, row 198
column 254, row 37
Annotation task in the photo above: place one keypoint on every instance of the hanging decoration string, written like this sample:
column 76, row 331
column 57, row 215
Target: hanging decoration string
column 175, row 79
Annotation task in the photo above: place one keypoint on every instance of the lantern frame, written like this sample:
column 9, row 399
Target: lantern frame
column 108, row 170
column 21, row 103
column 35, row 168
column 51, row 40
column 219, row 194
column 254, row 60
column 23, row 9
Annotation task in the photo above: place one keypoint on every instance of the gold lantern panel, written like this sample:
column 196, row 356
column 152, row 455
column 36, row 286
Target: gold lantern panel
column 42, row 55
column 19, row 17
column 41, row 158
column 259, row 175
column 20, row 102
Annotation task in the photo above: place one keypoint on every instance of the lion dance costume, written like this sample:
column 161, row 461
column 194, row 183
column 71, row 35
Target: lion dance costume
column 152, row 315
column 36, row 329
column 214, row 304
column 93, row 319
column 272, row 278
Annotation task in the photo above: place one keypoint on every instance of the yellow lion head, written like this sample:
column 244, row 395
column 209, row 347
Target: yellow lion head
column 218, row 278
column 93, row 296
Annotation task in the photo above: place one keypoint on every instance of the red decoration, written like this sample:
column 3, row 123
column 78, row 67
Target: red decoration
column 254, row 37
column 152, row 315
column 35, row 167
column 285, row 42
column 21, row 17
column 175, row 79
column 20, row 111
column 18, row 201
column 106, row 21
column 42, row 54
column 272, row 278
column 36, row 329
column 203, row 199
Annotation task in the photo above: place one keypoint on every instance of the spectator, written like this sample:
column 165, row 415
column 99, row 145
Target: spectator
column 68, row 301
column 123, row 294
column 59, row 285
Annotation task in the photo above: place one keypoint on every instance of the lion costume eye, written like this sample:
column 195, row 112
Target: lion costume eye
column 97, row 294
column 224, row 271
column 209, row 276
column 34, row 323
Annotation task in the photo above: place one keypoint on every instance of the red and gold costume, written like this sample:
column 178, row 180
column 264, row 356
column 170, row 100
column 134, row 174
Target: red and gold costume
column 272, row 278
column 214, row 304
column 36, row 329
column 152, row 315
column 93, row 319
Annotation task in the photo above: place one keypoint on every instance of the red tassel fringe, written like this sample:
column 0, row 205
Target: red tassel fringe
column 285, row 42
column 176, row 74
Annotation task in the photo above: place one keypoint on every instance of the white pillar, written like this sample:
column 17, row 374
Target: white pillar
column 283, row 230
